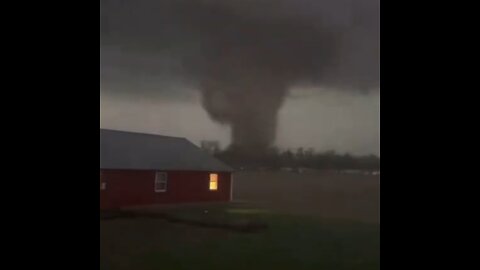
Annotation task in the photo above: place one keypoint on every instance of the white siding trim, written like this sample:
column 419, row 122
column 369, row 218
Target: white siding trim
column 160, row 178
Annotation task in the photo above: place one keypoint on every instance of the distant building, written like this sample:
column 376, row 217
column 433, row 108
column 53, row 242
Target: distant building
column 142, row 169
column 211, row 147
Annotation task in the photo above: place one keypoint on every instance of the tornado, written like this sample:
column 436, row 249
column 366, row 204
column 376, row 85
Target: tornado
column 243, row 56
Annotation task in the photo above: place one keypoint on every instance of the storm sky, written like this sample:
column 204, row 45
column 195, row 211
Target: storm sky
column 200, row 68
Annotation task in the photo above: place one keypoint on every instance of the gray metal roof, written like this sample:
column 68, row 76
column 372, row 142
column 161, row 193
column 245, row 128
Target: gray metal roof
column 137, row 151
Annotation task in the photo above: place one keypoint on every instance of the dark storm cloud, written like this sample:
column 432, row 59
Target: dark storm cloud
column 243, row 55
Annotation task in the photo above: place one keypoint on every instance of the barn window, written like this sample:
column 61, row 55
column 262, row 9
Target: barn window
column 213, row 181
column 160, row 182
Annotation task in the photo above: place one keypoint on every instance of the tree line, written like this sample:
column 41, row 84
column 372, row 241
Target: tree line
column 301, row 158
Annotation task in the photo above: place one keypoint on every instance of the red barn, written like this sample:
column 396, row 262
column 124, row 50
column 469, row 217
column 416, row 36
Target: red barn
column 143, row 169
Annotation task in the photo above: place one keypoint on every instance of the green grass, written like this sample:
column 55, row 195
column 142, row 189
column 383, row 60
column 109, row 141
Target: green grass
column 290, row 242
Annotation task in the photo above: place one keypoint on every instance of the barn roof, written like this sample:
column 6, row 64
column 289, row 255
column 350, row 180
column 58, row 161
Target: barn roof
column 137, row 151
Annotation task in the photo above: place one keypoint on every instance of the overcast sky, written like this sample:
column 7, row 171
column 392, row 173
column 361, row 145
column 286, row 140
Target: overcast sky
column 158, row 58
column 323, row 120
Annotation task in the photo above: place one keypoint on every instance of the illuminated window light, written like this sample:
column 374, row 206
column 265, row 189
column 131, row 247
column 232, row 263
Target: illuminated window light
column 213, row 181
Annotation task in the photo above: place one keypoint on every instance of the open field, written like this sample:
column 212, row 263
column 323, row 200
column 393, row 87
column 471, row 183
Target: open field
column 325, row 195
column 315, row 221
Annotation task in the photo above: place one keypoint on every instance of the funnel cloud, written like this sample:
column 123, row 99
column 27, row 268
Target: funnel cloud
column 243, row 56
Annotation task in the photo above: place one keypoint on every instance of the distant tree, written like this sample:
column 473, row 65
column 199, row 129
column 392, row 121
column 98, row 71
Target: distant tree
column 287, row 159
column 330, row 153
column 274, row 158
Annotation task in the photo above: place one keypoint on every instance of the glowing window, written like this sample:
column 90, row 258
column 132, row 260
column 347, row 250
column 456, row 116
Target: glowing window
column 213, row 181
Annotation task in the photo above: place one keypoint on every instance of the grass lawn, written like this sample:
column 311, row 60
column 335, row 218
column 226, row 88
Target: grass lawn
column 289, row 242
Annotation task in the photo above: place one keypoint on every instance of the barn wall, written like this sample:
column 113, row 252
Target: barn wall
column 135, row 188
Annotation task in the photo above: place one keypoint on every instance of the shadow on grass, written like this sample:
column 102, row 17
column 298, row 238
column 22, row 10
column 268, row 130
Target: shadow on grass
column 194, row 217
